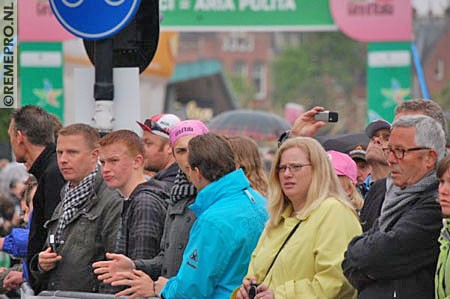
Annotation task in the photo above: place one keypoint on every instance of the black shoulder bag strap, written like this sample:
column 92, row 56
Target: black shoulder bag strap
column 281, row 248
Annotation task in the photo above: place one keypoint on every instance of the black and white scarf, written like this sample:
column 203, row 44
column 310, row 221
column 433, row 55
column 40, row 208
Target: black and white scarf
column 397, row 199
column 74, row 199
column 181, row 189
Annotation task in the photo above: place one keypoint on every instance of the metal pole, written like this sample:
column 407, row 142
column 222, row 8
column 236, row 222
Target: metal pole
column 419, row 71
column 104, row 87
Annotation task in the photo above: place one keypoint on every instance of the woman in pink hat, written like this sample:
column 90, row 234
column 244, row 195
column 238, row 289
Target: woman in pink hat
column 346, row 169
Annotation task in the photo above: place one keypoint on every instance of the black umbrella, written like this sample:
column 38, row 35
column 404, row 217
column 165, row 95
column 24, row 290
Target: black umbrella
column 258, row 125
column 344, row 143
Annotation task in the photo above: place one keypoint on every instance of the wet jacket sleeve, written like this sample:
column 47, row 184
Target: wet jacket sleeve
column 16, row 242
column 203, row 264
column 151, row 266
column 146, row 227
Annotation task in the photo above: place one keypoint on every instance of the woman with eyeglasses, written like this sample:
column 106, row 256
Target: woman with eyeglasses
column 311, row 222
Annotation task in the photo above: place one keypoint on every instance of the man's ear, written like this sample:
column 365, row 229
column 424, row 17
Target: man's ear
column 95, row 153
column 195, row 172
column 169, row 149
column 431, row 159
column 138, row 161
column 20, row 137
column 198, row 175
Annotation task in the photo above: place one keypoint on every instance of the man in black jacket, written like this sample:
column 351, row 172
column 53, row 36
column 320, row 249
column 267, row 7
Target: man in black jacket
column 378, row 131
column 144, row 211
column 397, row 257
column 144, row 208
column 32, row 139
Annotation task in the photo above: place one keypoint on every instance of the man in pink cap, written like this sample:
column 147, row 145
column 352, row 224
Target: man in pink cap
column 185, row 128
column 157, row 150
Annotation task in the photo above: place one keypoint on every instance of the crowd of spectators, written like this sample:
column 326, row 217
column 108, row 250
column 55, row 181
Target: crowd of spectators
column 181, row 212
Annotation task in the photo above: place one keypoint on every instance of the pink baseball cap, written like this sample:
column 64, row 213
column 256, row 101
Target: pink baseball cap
column 192, row 127
column 343, row 164
column 160, row 124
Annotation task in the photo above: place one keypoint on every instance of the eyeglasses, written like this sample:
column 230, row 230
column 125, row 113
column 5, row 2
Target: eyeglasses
column 154, row 126
column 399, row 153
column 294, row 167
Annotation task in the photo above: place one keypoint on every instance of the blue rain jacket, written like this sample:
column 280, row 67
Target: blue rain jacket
column 230, row 219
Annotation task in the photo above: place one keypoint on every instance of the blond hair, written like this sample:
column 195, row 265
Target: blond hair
column 324, row 181
column 355, row 197
column 247, row 155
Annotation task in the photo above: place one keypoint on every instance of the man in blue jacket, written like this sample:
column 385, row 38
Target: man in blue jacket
column 230, row 219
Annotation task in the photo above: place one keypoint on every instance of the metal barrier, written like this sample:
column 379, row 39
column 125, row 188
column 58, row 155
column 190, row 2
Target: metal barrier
column 26, row 292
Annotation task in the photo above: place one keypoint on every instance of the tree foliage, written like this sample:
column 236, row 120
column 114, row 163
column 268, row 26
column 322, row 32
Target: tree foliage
column 4, row 123
column 243, row 90
column 324, row 67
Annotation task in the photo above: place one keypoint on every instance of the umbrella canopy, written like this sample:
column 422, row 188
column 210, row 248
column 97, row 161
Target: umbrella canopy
column 258, row 125
column 344, row 143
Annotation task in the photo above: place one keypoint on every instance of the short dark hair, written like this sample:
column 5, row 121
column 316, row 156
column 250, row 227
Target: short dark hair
column 35, row 123
column 126, row 137
column 57, row 125
column 89, row 133
column 212, row 155
column 443, row 166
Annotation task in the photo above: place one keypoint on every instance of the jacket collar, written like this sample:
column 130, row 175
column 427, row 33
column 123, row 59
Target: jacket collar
column 98, row 187
column 167, row 174
column 228, row 185
column 38, row 167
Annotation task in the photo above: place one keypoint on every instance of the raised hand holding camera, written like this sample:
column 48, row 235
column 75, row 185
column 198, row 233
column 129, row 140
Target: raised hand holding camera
column 327, row 116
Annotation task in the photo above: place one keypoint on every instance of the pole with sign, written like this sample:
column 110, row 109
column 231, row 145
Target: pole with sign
column 98, row 20
column 94, row 19
column 41, row 72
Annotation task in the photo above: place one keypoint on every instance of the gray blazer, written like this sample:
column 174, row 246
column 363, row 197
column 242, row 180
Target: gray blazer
column 178, row 223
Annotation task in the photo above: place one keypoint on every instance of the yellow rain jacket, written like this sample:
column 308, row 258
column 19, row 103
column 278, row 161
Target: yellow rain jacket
column 309, row 265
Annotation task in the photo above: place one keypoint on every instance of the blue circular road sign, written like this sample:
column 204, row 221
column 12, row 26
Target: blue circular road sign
column 94, row 19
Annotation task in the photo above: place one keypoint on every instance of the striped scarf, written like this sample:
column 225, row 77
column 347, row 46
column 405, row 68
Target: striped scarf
column 74, row 199
column 397, row 199
column 181, row 189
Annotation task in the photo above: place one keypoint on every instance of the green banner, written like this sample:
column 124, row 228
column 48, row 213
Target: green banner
column 41, row 76
column 186, row 15
column 388, row 78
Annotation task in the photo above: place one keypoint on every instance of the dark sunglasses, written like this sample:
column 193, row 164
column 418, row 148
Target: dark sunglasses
column 154, row 126
column 283, row 137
